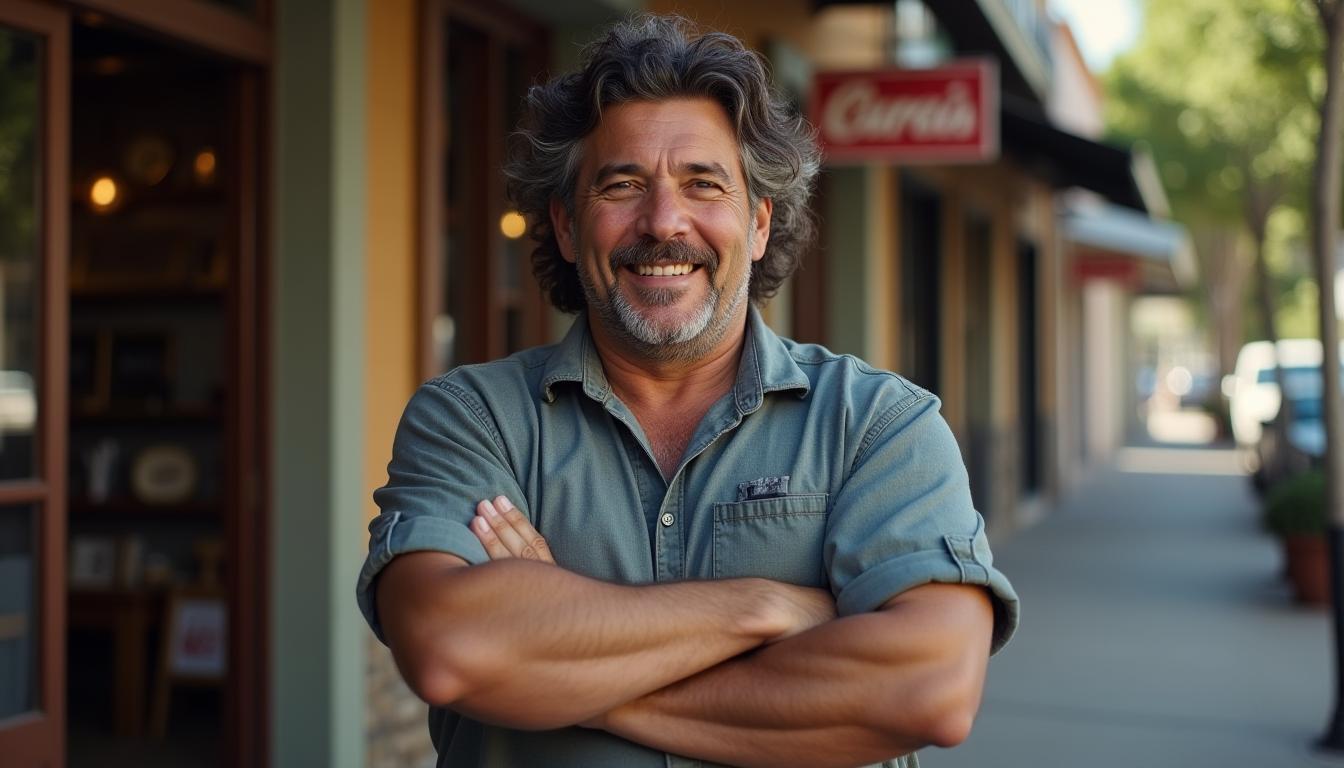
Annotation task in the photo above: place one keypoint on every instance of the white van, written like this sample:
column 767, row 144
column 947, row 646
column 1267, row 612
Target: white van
column 1253, row 390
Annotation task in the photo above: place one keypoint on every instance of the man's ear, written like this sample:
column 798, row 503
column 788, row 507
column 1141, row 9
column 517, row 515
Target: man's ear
column 761, row 224
column 562, row 225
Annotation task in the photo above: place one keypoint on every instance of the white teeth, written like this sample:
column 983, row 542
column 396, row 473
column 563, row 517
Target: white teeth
column 658, row 270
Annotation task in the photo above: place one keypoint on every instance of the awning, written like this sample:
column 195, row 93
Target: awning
column 1069, row 160
column 1161, row 251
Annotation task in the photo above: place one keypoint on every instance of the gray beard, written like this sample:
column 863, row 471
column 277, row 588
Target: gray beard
column 689, row 341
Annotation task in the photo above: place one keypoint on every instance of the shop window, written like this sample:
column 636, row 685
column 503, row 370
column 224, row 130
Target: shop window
column 481, row 302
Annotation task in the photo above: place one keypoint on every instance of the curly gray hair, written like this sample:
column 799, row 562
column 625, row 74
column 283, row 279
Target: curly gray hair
column 648, row 58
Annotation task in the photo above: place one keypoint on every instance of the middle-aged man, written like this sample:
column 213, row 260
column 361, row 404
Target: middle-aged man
column 675, row 538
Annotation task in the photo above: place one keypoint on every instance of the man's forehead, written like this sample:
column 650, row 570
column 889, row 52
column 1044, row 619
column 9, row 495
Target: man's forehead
column 692, row 134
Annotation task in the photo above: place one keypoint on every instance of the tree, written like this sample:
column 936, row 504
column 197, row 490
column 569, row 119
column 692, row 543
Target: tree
column 1325, row 227
column 1215, row 88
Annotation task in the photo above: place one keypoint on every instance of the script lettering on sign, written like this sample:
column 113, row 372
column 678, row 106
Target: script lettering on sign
column 945, row 115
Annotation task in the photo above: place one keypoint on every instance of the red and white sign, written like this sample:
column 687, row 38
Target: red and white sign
column 943, row 115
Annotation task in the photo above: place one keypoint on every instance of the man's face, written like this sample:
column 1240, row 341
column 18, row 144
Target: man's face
column 662, row 232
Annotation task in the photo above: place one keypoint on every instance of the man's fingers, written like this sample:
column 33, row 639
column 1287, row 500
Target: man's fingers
column 493, row 546
column 534, row 546
column 511, row 529
column 503, row 531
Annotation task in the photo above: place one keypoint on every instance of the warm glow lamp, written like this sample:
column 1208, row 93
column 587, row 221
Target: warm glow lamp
column 103, row 193
column 513, row 225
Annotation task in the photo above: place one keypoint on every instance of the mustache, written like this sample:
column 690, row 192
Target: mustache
column 675, row 251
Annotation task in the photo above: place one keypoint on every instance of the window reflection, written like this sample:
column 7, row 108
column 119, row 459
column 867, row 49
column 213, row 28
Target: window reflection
column 20, row 225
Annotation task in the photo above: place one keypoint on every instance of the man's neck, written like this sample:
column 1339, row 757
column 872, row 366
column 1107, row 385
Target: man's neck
column 643, row 383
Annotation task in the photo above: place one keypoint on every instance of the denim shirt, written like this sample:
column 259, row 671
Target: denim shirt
column 815, row 469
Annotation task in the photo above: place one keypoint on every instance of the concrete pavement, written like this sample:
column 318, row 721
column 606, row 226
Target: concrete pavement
column 1155, row 632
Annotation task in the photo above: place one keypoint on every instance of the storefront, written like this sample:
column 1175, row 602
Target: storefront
column 234, row 236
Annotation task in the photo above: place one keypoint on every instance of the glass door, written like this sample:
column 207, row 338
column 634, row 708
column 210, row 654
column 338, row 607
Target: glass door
column 34, row 104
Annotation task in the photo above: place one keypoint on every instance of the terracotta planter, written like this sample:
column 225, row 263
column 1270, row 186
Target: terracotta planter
column 1308, row 568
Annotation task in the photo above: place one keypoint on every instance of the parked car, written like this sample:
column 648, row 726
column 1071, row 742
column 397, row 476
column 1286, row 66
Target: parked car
column 1253, row 390
column 1302, row 444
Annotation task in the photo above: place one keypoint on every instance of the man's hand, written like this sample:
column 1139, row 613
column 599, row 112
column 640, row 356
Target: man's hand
column 505, row 532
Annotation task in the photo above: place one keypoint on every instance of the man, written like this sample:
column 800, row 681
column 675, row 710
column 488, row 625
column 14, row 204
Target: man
column 675, row 538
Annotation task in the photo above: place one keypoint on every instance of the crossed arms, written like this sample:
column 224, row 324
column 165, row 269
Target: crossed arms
column 738, row 671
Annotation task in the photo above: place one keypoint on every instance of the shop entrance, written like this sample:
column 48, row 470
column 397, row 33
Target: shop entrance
column 132, row 532
column 150, row 253
column 162, row 617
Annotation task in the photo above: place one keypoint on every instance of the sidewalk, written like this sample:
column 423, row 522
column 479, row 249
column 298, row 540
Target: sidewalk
column 1155, row 632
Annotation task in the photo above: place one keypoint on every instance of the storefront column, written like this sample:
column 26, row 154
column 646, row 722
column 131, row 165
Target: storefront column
column 862, row 262
column 318, row 511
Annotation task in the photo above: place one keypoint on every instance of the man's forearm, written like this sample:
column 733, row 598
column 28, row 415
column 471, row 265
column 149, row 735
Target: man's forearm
column 532, row 645
column 854, row 691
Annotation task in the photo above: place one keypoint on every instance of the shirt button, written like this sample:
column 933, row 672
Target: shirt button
column 668, row 519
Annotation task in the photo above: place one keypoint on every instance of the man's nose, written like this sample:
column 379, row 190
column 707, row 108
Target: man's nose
column 663, row 215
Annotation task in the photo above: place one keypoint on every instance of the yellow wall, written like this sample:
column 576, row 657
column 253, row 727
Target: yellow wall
column 390, row 231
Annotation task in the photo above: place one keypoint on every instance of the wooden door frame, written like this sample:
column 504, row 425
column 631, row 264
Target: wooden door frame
column 501, row 23
column 247, row 454
column 39, row 736
column 205, row 25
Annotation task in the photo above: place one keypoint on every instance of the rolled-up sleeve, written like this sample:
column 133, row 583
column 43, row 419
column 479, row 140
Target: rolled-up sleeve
column 904, row 518
column 446, row 457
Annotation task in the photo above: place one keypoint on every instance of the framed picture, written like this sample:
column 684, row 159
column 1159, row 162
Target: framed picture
column 93, row 562
column 141, row 366
column 194, row 648
column 197, row 638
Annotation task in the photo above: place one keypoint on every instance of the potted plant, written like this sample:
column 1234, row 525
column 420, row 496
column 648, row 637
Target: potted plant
column 1295, row 512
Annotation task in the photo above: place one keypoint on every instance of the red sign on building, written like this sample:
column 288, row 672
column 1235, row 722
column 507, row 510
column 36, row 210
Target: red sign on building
column 943, row 115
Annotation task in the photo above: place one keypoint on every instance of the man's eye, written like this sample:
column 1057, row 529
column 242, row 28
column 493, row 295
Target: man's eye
column 620, row 186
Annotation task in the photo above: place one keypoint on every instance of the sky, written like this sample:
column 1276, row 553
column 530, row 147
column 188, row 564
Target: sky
column 1103, row 28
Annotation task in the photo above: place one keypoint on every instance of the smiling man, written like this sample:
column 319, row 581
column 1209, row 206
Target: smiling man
column 675, row 538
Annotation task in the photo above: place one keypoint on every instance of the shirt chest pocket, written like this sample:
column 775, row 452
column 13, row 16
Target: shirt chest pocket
column 778, row 538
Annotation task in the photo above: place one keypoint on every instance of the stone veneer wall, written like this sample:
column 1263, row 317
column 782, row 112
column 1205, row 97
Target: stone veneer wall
column 397, row 735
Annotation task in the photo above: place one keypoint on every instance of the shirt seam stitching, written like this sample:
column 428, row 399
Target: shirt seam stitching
column 477, row 410
column 874, row 432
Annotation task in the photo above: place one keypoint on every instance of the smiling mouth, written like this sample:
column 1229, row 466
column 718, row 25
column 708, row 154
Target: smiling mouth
column 663, row 270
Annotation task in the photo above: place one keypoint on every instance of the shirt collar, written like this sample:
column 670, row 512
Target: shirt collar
column 575, row 359
column 766, row 365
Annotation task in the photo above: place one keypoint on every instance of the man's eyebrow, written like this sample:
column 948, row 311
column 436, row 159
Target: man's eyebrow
column 713, row 169
column 708, row 169
column 617, row 169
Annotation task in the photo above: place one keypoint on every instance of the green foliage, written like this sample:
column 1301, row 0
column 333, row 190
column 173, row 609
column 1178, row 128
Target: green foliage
column 1223, row 95
column 1223, row 92
column 1296, row 505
